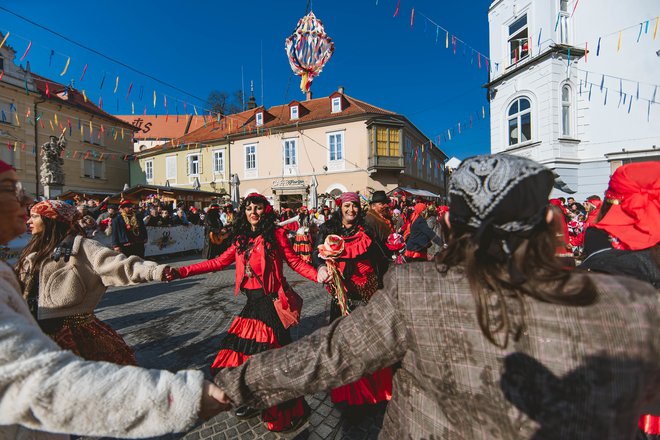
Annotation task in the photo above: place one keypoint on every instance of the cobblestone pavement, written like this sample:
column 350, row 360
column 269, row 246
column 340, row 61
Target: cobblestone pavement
column 180, row 325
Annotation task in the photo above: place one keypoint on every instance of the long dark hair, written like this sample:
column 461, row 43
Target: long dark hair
column 242, row 230
column 545, row 277
column 44, row 243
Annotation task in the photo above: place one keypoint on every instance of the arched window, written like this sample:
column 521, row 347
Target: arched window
column 520, row 121
column 566, row 110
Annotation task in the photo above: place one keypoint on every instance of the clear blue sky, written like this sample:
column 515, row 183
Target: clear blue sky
column 201, row 46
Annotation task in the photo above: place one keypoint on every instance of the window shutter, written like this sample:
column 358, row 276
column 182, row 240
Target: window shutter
column 199, row 162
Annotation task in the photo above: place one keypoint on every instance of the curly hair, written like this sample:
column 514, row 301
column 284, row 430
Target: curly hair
column 242, row 229
column 333, row 225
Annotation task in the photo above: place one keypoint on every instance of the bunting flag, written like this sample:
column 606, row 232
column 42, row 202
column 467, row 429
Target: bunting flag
column 412, row 17
column 66, row 66
column 84, row 95
column 83, row 72
column 130, row 87
column 102, row 81
column 26, row 51
column 154, row 99
column 2, row 43
column 398, row 5
column 116, row 85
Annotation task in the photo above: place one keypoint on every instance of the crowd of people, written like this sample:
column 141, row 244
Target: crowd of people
column 466, row 320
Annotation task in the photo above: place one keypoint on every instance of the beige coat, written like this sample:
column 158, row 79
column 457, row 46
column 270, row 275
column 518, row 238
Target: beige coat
column 48, row 389
column 76, row 286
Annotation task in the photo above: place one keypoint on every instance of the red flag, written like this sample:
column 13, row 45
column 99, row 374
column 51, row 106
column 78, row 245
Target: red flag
column 412, row 17
column 398, row 4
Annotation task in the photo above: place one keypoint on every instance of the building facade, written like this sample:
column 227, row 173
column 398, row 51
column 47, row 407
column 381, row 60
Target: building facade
column 572, row 86
column 329, row 145
column 34, row 108
column 154, row 130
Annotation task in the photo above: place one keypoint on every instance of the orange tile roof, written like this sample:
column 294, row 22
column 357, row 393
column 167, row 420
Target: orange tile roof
column 318, row 109
column 72, row 98
column 163, row 127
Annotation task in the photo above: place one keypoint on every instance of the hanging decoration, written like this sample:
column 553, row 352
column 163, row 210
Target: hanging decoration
column 309, row 48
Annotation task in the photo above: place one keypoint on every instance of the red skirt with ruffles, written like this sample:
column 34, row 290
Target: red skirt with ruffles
column 302, row 246
column 90, row 338
column 258, row 328
column 369, row 390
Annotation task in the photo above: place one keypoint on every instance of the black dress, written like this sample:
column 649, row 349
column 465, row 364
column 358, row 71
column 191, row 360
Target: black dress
column 212, row 223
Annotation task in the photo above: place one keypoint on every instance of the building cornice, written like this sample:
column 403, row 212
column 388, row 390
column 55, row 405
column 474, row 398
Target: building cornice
column 555, row 49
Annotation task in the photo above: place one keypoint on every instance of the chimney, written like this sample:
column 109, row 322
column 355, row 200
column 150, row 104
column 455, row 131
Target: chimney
column 341, row 89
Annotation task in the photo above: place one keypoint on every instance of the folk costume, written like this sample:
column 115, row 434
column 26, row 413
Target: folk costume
column 128, row 232
column 419, row 236
column 63, row 290
column 214, row 236
column 302, row 243
column 257, row 328
column 356, row 266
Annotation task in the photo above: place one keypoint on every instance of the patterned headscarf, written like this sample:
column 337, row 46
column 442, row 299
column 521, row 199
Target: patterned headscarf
column 349, row 197
column 57, row 210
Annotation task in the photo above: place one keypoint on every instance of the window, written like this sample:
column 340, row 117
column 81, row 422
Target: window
column 194, row 165
column 566, row 110
column 219, row 162
column 336, row 105
column 520, row 121
column 294, row 112
column 93, row 169
column 387, row 141
column 336, row 146
column 562, row 26
column 149, row 170
column 250, row 157
column 563, row 5
column 260, row 119
column 518, row 40
column 6, row 115
column 170, row 168
column 290, row 158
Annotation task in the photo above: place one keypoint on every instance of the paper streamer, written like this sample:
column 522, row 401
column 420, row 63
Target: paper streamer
column 66, row 66
column 2, row 43
column 83, row 72
column 618, row 44
column 130, row 87
column 84, row 95
column 655, row 30
column 396, row 12
column 26, row 51
column 412, row 17
column 154, row 99
column 116, row 85
column 598, row 47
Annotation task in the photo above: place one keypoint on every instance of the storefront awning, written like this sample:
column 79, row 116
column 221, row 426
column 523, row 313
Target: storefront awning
column 415, row 192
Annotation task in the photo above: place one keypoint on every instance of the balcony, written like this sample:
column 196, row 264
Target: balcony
column 386, row 163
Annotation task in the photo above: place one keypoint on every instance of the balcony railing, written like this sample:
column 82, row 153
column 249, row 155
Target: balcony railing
column 386, row 162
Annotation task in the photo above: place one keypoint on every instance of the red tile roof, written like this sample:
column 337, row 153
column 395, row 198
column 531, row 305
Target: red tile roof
column 73, row 98
column 162, row 126
column 319, row 109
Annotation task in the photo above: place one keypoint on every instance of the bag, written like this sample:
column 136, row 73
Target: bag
column 290, row 317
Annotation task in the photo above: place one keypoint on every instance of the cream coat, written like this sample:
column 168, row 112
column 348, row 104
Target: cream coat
column 76, row 286
column 48, row 389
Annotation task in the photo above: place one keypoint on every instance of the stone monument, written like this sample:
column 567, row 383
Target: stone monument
column 52, row 172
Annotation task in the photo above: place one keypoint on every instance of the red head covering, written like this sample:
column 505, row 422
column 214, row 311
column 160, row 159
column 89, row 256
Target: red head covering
column 124, row 203
column 417, row 211
column 4, row 166
column 261, row 199
column 349, row 197
column 56, row 210
column 634, row 214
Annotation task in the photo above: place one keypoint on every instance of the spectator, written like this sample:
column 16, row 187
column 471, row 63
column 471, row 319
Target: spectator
column 153, row 217
column 165, row 219
column 129, row 234
column 180, row 219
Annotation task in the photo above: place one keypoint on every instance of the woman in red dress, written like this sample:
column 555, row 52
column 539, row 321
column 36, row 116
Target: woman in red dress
column 356, row 266
column 258, row 247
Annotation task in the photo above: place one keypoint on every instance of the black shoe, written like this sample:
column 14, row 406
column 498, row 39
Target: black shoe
column 246, row 412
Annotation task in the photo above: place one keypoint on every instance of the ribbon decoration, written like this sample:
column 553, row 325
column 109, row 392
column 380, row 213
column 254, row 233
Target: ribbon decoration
column 130, row 87
column 308, row 49
column 2, row 43
column 116, row 85
column 83, row 72
column 330, row 250
column 154, row 99
column 66, row 66
column 396, row 11
column 618, row 45
column 412, row 17
column 26, row 51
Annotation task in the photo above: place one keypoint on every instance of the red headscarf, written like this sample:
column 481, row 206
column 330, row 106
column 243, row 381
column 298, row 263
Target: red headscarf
column 349, row 197
column 417, row 211
column 634, row 214
column 56, row 210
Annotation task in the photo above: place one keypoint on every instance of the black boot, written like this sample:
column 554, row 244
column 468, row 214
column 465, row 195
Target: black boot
column 246, row 412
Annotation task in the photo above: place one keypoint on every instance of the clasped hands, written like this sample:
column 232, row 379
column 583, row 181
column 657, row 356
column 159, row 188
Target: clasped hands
column 323, row 275
column 170, row 274
column 214, row 401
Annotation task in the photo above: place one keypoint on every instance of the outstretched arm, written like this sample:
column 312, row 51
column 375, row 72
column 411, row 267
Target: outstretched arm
column 214, row 265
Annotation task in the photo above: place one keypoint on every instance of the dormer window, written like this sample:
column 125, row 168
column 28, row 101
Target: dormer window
column 294, row 112
column 260, row 119
column 336, row 105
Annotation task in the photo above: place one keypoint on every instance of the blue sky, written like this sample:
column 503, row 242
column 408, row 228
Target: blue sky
column 201, row 46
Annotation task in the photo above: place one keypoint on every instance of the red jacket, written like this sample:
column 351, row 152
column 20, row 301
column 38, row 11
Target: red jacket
column 273, row 277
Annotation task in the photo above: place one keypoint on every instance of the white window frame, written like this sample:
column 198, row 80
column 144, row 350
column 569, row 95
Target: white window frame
column 218, row 154
column 149, row 170
column 566, row 111
column 294, row 112
column 250, row 149
column 511, row 38
column 170, row 177
column 259, row 119
column 518, row 117
column 10, row 155
column 336, row 105
column 10, row 119
column 336, row 164
column 189, row 162
column 93, row 174
column 290, row 156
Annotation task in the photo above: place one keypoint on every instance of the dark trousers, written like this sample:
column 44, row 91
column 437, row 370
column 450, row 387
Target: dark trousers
column 136, row 249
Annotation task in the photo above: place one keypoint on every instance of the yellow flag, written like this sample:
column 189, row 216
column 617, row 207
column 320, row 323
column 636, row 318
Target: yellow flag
column 655, row 30
column 2, row 43
column 90, row 128
column 51, row 125
column 154, row 99
column 17, row 122
column 84, row 95
column 122, row 133
column 618, row 45
column 56, row 119
column 82, row 133
column 66, row 66
column 447, row 40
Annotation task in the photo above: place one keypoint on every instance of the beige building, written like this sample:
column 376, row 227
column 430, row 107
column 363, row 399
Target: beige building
column 344, row 143
column 95, row 159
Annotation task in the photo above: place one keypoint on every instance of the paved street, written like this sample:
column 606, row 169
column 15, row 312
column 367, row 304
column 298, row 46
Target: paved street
column 180, row 325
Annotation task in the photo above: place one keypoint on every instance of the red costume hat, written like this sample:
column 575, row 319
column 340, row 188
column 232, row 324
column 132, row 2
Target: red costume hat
column 4, row 166
column 57, row 210
column 125, row 203
column 634, row 214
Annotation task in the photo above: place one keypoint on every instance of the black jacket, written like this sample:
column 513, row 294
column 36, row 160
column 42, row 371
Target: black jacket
column 120, row 235
column 421, row 236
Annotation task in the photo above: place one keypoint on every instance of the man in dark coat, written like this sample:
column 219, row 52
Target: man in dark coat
column 378, row 219
column 214, row 231
column 129, row 234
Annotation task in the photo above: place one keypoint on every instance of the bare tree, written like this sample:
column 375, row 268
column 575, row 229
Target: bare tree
column 223, row 103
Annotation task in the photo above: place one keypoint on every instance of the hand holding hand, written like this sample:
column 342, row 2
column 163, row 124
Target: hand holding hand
column 214, row 401
column 170, row 274
column 323, row 275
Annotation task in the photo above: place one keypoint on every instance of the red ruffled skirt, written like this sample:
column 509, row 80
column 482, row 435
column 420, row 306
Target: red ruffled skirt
column 302, row 246
column 257, row 328
column 649, row 427
column 90, row 338
column 371, row 389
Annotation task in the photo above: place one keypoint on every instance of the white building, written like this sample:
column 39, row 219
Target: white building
column 584, row 118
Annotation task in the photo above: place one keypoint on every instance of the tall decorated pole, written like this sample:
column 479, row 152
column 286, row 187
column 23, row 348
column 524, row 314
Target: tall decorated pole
column 308, row 49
